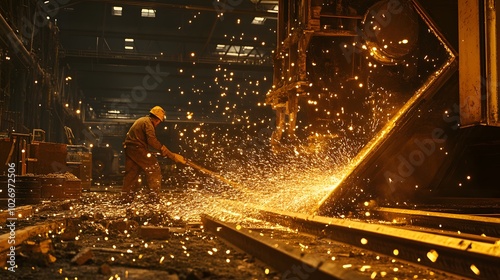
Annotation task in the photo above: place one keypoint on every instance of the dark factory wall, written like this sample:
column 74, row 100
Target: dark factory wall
column 32, row 91
column 428, row 157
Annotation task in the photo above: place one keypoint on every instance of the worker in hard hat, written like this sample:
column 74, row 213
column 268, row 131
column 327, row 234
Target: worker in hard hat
column 138, row 157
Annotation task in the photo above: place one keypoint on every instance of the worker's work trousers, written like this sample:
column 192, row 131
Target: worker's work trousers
column 139, row 160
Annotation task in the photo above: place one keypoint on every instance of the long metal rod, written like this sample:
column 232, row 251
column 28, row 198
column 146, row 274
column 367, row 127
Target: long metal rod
column 458, row 222
column 18, row 46
column 215, row 175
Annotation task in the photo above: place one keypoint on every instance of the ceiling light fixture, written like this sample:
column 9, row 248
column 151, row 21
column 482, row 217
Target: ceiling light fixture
column 149, row 13
column 258, row 20
column 117, row 11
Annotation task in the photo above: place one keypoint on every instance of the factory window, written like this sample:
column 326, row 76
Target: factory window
column 239, row 51
column 258, row 20
column 117, row 11
column 148, row 13
column 274, row 10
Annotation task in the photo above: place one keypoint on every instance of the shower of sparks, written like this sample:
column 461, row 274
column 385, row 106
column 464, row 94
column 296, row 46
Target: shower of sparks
column 295, row 180
column 345, row 109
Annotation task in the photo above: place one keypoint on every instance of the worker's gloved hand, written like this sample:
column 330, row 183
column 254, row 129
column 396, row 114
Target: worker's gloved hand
column 164, row 151
column 180, row 159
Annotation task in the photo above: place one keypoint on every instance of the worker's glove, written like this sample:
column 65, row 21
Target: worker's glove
column 180, row 159
column 164, row 151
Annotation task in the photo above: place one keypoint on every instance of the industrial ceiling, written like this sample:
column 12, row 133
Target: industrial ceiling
column 203, row 61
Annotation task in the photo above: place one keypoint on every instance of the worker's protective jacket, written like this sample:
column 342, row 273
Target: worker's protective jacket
column 142, row 134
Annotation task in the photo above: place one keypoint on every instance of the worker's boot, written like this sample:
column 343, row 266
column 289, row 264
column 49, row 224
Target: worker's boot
column 152, row 198
column 126, row 198
column 153, row 178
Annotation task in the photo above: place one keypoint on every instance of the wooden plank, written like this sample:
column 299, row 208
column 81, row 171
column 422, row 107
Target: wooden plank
column 24, row 234
column 20, row 213
column 83, row 256
column 154, row 232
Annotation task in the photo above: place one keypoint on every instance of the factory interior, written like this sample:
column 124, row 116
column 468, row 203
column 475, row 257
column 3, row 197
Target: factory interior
column 329, row 108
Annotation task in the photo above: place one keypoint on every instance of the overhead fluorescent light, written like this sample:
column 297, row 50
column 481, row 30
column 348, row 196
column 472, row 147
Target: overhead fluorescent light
column 129, row 43
column 117, row 11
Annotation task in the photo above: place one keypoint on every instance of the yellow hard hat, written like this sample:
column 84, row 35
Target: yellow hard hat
column 158, row 112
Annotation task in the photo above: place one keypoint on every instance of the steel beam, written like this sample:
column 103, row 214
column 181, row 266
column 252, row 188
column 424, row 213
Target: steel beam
column 469, row 46
column 456, row 256
column 17, row 46
column 278, row 255
column 217, row 7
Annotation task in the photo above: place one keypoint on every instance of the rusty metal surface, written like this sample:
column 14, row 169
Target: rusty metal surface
column 73, row 189
column 470, row 60
column 60, row 188
column 279, row 256
column 51, row 158
column 53, row 188
column 456, row 256
column 27, row 191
